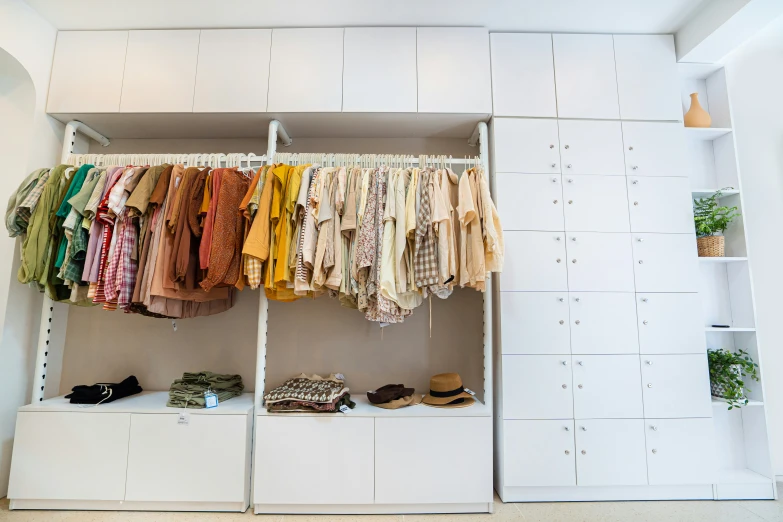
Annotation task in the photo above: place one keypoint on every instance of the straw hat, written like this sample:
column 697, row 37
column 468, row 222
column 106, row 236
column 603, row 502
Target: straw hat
column 445, row 389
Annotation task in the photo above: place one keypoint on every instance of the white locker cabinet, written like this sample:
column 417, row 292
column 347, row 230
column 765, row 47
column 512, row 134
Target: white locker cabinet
column 603, row 323
column 670, row 323
column 676, row 386
column 536, row 262
column 660, row 205
column 371, row 53
column 654, row 149
column 526, row 146
column 610, row 452
column 539, row 453
column 327, row 447
column 599, row 262
column 69, row 456
column 585, row 76
column 592, row 147
column 315, row 53
column 430, row 468
column 530, row 201
column 607, row 387
column 523, row 75
column 665, row 263
column 443, row 57
column 680, row 451
column 534, row 323
column 171, row 461
column 160, row 71
column 222, row 50
column 96, row 51
column 647, row 80
column 595, row 204
column 537, row 387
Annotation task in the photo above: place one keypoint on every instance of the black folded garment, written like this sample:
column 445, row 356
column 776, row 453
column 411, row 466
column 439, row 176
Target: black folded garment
column 105, row 392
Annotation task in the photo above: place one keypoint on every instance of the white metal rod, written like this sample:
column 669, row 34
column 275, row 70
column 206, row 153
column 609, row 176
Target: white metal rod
column 76, row 125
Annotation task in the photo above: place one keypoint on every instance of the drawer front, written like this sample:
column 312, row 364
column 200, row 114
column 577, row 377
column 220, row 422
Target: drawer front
column 610, row 452
column 660, row 205
column 530, row 201
column 535, row 262
column 526, row 146
column 603, row 323
column 538, row 453
column 654, row 149
column 599, row 262
column 537, row 387
column 595, row 204
column 534, row 323
column 676, row 386
column 665, row 263
column 680, row 451
column 670, row 323
column 607, row 387
column 591, row 147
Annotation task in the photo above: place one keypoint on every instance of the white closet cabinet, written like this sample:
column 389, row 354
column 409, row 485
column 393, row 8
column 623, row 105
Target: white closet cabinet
column 97, row 51
column 160, row 71
column 536, row 262
column 654, row 149
column 370, row 54
column 676, row 386
column 680, row 451
column 670, row 323
column 232, row 50
column 539, row 453
column 595, row 204
column 530, row 201
column 585, row 76
column 660, row 205
column 534, row 323
column 610, row 452
column 537, row 387
column 315, row 53
column 443, row 56
column 599, row 262
column 591, row 147
column 647, row 80
column 526, row 146
column 603, row 323
column 523, row 75
column 424, row 471
column 665, row 263
column 607, row 387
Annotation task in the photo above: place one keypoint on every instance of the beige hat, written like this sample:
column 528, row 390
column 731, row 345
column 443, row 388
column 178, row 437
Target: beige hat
column 445, row 389
column 410, row 400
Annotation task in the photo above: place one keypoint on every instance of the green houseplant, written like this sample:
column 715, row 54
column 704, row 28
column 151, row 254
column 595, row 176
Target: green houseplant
column 727, row 373
column 711, row 219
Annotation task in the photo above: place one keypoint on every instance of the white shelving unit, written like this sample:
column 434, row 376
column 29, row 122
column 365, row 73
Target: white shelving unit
column 707, row 134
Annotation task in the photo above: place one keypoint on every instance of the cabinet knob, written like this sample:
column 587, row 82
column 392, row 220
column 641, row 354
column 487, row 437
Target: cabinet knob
column 584, row 452
column 561, row 299
column 577, row 299
column 635, row 182
column 557, row 238
column 554, row 201
column 582, row 428
column 640, row 240
column 644, row 299
column 570, row 180
column 554, row 165
column 635, row 203
column 580, row 363
column 566, row 451
column 577, row 322
column 551, row 146
column 641, row 262
column 558, row 259
column 654, row 428
column 649, row 385
column 562, row 321
column 573, row 260
column 635, row 167
column 570, row 201
column 580, row 386
column 564, row 363
column 567, row 146
column 568, row 166
column 644, row 322
column 566, row 428
column 630, row 147
column 554, row 180
column 573, row 238
column 565, row 386
column 654, row 451
column 649, row 363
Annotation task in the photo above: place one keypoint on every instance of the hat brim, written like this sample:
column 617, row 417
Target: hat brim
column 443, row 402
column 402, row 402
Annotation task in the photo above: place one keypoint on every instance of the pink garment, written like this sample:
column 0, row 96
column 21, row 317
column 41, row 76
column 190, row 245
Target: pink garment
column 209, row 222
column 92, row 259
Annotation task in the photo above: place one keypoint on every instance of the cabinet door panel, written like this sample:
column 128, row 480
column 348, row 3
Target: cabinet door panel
column 680, row 451
column 660, row 205
column 538, row 453
column 676, row 386
column 525, row 146
column 585, row 76
column 592, row 147
column 595, row 204
column 523, row 75
column 610, row 452
column 530, row 202
column 534, row 322
column 537, row 387
column 599, row 262
column 670, row 323
column 603, row 323
column 654, row 149
column 607, row 387
column 536, row 262
column 665, row 263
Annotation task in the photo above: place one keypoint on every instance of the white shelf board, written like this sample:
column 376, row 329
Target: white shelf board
column 705, row 193
column 365, row 409
column 706, row 134
column 741, row 476
column 144, row 402
column 697, row 71
column 731, row 329
column 722, row 259
column 721, row 402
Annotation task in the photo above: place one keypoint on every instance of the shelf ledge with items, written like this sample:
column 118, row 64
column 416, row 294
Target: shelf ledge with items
column 705, row 192
column 712, row 329
column 712, row 260
column 706, row 133
column 365, row 409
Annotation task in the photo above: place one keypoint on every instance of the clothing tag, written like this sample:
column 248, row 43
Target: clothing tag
column 383, row 325
column 211, row 400
column 469, row 391
column 340, row 376
column 344, row 408
column 174, row 324
column 176, row 182
column 184, row 418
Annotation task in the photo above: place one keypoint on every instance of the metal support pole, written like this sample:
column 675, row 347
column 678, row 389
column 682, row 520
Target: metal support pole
column 276, row 130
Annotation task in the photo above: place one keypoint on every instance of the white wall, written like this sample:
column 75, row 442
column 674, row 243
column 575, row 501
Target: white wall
column 755, row 78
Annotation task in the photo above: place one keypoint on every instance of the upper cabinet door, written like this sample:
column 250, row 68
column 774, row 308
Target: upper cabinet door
column 160, row 71
column 221, row 50
column 306, row 71
column 585, row 76
column 537, row 262
column 660, row 205
column 525, row 146
column 530, row 201
column 592, row 147
column 370, row 53
column 76, row 51
column 665, row 263
column 670, row 323
column 647, row 81
column 523, row 75
column 599, row 262
column 595, row 204
column 535, row 323
column 654, row 149
column 603, row 323
column 453, row 70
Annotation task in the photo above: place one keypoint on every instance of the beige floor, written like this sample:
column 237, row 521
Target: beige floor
column 704, row 511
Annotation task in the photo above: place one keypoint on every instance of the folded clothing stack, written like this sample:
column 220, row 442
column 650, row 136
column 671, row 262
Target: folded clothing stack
column 393, row 396
column 104, row 392
column 188, row 392
column 313, row 394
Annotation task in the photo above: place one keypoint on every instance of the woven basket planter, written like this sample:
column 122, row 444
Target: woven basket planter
column 719, row 390
column 711, row 246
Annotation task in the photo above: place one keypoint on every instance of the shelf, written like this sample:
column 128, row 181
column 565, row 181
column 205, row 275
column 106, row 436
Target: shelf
column 365, row 409
column 697, row 71
column 741, row 476
column 731, row 329
column 705, row 134
column 722, row 259
column 705, row 193
column 751, row 403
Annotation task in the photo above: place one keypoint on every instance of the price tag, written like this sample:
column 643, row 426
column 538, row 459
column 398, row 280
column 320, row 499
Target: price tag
column 184, row 418
column 340, row 376
column 344, row 408
column 470, row 391
column 211, row 400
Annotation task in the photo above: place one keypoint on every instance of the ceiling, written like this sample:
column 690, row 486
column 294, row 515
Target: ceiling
column 590, row 16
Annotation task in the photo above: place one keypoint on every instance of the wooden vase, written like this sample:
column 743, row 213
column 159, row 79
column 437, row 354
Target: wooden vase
column 696, row 115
